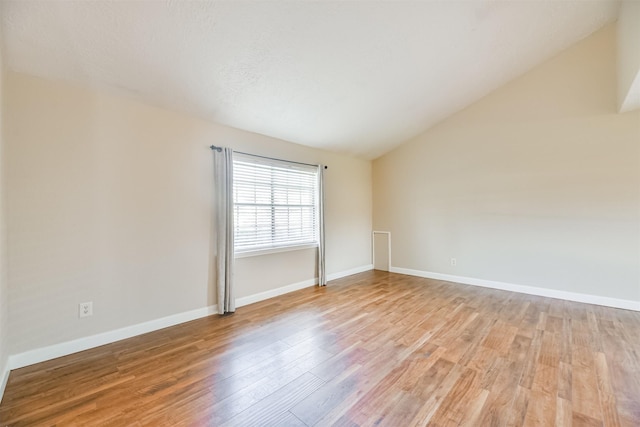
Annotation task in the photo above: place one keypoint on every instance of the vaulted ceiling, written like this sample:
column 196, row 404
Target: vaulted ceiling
column 358, row 77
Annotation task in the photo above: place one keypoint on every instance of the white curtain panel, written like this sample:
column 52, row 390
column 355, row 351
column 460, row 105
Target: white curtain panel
column 322, row 273
column 223, row 212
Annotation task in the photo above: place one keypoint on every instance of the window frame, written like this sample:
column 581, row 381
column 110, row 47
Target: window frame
column 284, row 246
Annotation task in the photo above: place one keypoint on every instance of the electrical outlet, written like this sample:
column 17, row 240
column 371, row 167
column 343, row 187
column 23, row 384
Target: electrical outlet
column 85, row 309
column 453, row 262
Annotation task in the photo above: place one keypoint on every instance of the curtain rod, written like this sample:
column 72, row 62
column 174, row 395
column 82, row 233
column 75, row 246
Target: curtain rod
column 213, row 147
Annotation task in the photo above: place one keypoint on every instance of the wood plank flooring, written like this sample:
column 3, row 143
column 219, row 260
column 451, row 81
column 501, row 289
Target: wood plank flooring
column 368, row 350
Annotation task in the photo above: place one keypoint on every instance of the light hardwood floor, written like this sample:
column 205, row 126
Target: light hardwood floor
column 372, row 349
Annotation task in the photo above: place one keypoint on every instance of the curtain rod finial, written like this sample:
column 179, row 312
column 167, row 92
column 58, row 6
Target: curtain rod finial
column 213, row 147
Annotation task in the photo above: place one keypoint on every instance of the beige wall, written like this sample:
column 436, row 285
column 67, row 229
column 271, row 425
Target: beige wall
column 4, row 291
column 537, row 184
column 628, row 52
column 110, row 202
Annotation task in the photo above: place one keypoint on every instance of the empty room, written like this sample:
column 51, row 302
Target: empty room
column 320, row 213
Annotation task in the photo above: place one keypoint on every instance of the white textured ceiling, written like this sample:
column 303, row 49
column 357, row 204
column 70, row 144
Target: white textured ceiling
column 358, row 77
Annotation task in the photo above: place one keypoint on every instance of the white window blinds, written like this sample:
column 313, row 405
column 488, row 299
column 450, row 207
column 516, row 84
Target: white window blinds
column 275, row 203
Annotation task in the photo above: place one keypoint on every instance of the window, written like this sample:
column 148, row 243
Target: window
column 275, row 204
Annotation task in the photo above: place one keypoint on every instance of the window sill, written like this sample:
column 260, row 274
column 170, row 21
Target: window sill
column 267, row 251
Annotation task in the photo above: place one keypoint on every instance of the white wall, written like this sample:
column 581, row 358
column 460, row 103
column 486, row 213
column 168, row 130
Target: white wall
column 537, row 184
column 109, row 200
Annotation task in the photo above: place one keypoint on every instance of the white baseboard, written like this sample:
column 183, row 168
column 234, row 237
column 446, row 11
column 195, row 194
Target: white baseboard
column 297, row 286
column 275, row 292
column 38, row 355
column 341, row 274
column 5, row 377
column 62, row 349
column 530, row 290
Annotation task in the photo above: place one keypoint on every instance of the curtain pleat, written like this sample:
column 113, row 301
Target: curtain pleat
column 223, row 208
column 322, row 274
